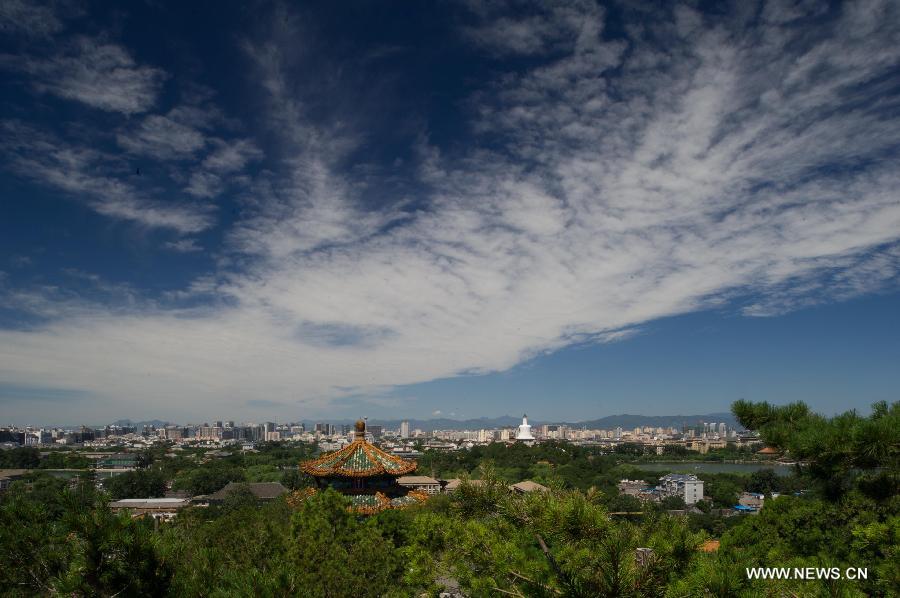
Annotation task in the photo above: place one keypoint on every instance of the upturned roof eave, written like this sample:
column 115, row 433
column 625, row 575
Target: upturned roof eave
column 339, row 458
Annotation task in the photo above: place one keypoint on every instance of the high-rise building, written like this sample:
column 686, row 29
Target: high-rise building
column 209, row 433
column 404, row 429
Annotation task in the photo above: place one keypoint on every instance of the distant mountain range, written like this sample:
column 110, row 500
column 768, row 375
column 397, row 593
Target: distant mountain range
column 609, row 422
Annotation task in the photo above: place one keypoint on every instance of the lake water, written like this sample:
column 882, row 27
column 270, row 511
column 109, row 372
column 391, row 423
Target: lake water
column 705, row 467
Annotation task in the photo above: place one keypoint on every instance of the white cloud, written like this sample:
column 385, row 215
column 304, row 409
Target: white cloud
column 29, row 18
column 717, row 166
column 229, row 158
column 102, row 182
column 204, row 184
column 163, row 138
column 101, row 75
column 533, row 28
column 20, row 261
column 308, row 205
column 232, row 155
column 183, row 246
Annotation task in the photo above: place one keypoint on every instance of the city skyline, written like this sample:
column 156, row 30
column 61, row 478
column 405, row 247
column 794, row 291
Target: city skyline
column 458, row 210
column 435, row 423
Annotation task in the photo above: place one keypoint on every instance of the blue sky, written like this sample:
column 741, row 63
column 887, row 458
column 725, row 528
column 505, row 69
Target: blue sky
column 473, row 208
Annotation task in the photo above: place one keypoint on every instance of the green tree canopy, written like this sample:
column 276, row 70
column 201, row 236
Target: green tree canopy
column 208, row 479
column 142, row 483
column 840, row 452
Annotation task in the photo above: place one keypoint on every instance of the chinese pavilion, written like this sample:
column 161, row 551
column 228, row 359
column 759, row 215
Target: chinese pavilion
column 365, row 474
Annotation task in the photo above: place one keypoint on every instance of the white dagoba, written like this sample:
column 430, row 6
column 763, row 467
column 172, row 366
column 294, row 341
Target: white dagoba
column 525, row 430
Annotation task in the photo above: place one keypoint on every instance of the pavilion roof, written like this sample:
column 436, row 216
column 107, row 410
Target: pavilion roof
column 359, row 459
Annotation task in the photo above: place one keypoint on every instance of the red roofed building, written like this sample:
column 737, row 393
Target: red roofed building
column 769, row 451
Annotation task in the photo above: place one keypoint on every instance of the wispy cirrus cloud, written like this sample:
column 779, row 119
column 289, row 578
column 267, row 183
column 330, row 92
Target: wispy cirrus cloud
column 531, row 28
column 96, row 73
column 229, row 158
column 162, row 138
column 29, row 18
column 309, row 203
column 183, row 246
column 103, row 182
column 78, row 159
column 204, row 184
column 232, row 155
